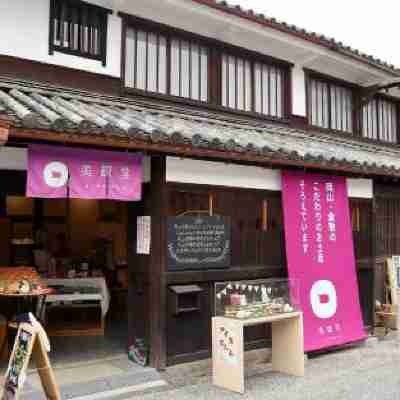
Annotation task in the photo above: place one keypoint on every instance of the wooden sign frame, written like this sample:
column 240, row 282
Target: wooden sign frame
column 29, row 344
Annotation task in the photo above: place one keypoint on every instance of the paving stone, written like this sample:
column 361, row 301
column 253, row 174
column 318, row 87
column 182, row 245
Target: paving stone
column 123, row 380
column 127, row 365
column 84, row 389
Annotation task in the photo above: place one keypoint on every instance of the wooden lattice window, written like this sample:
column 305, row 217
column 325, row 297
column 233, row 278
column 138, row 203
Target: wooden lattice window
column 236, row 83
column 78, row 28
column 269, row 82
column 330, row 105
column 146, row 60
column 380, row 120
column 163, row 60
column 248, row 85
column 166, row 64
column 189, row 69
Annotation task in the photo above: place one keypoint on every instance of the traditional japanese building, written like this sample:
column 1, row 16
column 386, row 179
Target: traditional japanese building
column 219, row 101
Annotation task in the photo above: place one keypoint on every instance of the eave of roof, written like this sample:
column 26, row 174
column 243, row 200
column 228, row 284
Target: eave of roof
column 291, row 29
column 34, row 111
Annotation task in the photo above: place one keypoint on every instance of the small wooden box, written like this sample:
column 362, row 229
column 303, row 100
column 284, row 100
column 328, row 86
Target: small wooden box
column 186, row 298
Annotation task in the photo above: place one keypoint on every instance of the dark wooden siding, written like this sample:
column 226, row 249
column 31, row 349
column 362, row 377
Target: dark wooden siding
column 387, row 198
column 258, row 251
column 362, row 223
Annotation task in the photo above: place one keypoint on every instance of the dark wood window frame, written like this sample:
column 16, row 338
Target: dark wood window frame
column 358, row 110
column 396, row 103
column 313, row 75
column 89, row 14
column 216, row 50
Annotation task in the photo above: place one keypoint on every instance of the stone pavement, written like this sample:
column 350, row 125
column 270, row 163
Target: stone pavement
column 90, row 379
column 367, row 372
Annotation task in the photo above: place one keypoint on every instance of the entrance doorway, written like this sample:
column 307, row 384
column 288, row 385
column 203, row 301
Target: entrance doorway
column 79, row 249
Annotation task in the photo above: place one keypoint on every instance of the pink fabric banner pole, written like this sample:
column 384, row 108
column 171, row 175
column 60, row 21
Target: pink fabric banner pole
column 320, row 256
column 59, row 172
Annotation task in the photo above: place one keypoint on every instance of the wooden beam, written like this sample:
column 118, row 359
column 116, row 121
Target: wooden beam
column 369, row 92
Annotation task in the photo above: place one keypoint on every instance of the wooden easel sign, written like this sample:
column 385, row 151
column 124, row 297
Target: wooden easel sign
column 29, row 343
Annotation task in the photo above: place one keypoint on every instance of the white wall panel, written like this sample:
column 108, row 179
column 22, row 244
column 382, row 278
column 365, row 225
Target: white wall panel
column 360, row 188
column 233, row 175
column 299, row 89
column 221, row 174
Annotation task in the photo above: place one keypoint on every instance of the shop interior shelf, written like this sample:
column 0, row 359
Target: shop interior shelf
column 74, row 320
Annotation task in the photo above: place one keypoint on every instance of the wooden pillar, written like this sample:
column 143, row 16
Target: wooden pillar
column 374, row 263
column 157, row 270
column 135, row 303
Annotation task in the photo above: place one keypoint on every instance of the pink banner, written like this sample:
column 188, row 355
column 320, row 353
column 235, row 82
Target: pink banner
column 58, row 172
column 320, row 256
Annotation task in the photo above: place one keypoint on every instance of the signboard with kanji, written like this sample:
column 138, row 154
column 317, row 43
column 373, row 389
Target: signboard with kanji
column 198, row 242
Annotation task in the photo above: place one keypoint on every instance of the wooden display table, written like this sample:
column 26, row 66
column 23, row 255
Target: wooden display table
column 77, row 313
column 228, row 347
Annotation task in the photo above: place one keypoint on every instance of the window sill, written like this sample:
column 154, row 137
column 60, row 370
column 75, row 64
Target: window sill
column 71, row 52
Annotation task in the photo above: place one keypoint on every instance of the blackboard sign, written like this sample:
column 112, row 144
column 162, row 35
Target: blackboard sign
column 198, row 242
column 31, row 340
column 16, row 372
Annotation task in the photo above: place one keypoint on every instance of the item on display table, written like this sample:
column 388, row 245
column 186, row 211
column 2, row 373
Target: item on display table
column 21, row 281
column 23, row 242
column 257, row 310
column 256, row 299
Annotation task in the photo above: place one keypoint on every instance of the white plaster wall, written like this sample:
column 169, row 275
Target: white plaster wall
column 24, row 33
column 360, row 188
column 221, row 174
column 233, row 175
column 299, row 91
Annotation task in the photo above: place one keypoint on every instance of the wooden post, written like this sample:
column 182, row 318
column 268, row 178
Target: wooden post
column 373, row 255
column 157, row 270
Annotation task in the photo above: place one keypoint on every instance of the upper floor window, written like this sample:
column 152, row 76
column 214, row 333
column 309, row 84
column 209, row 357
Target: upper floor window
column 146, row 61
column 78, row 28
column 237, row 89
column 380, row 120
column 269, row 82
column 330, row 105
column 255, row 86
column 189, row 69
column 164, row 60
column 159, row 63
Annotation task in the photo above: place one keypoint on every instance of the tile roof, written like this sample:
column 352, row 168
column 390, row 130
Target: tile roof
column 320, row 39
column 46, row 108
